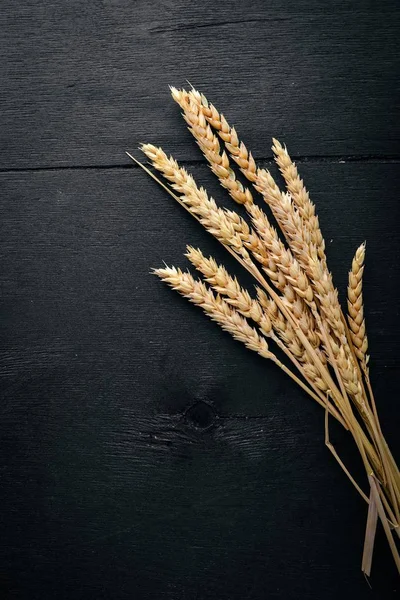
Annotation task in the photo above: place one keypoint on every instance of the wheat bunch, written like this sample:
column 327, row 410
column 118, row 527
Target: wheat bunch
column 296, row 307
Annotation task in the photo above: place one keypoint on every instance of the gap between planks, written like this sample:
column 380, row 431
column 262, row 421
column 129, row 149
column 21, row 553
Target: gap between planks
column 266, row 160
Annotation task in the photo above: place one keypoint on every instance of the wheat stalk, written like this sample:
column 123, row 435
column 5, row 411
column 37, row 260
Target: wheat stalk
column 300, row 314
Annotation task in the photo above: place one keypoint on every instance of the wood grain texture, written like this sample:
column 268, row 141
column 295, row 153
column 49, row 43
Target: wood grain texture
column 147, row 454
column 143, row 453
column 110, row 502
column 82, row 82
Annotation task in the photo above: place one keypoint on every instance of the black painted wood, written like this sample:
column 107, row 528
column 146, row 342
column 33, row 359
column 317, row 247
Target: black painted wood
column 82, row 82
column 144, row 453
column 147, row 454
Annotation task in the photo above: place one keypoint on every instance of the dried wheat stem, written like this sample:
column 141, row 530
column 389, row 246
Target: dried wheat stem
column 370, row 532
column 393, row 465
column 375, row 491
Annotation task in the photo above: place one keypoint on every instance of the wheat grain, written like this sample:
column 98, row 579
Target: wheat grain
column 281, row 326
column 288, row 336
column 355, row 306
column 281, row 257
column 288, row 218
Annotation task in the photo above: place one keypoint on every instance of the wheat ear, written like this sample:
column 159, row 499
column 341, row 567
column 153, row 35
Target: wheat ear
column 356, row 307
column 300, row 196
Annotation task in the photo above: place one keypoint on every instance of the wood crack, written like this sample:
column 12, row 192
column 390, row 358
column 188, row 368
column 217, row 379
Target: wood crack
column 334, row 159
column 186, row 26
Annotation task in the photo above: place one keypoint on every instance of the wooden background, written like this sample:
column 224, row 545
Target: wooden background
column 145, row 454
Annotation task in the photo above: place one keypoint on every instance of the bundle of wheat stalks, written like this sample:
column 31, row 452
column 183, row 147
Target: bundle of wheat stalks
column 296, row 307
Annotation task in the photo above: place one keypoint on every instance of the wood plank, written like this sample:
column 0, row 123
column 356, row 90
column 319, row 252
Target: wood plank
column 109, row 501
column 77, row 249
column 82, row 84
column 146, row 454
